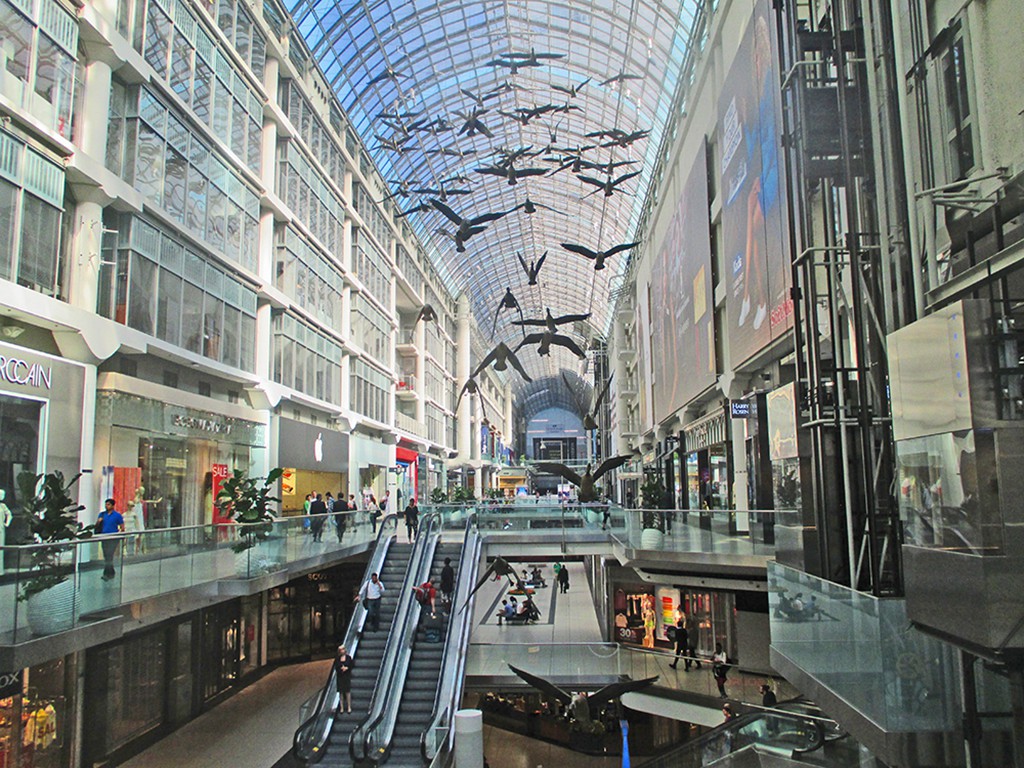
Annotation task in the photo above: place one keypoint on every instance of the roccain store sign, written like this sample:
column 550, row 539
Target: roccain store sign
column 15, row 370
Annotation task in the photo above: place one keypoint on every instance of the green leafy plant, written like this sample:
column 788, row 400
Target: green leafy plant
column 460, row 495
column 48, row 510
column 247, row 500
column 495, row 493
column 654, row 496
column 438, row 496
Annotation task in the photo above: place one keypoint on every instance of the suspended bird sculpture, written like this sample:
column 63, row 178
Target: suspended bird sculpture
column 471, row 388
column 442, row 192
column 598, row 257
column 607, row 184
column 586, row 482
column 523, row 115
column 589, row 414
column 619, row 78
column 510, row 172
column 415, row 209
column 482, row 98
column 501, row 356
column 472, row 124
column 531, row 207
column 551, row 323
column 466, row 227
column 617, row 137
column 395, row 143
column 533, row 270
column 571, row 158
column 427, row 314
column 547, row 339
column 452, row 152
column 388, row 74
column 508, row 301
column 516, row 61
column 500, row 567
column 585, row 708
column 571, row 91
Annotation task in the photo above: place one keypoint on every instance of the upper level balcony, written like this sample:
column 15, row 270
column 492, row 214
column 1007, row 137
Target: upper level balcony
column 406, row 387
column 406, row 342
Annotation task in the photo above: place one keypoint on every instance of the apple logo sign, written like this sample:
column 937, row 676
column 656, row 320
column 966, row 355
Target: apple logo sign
column 318, row 447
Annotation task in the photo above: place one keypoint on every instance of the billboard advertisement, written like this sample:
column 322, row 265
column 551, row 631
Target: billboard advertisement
column 683, row 333
column 754, row 233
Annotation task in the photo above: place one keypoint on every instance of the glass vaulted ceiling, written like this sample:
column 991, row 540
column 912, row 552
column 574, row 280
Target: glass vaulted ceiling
column 418, row 58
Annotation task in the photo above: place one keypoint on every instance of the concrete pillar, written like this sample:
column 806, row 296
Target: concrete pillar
column 506, row 427
column 95, row 108
column 469, row 738
column 464, row 416
column 84, row 266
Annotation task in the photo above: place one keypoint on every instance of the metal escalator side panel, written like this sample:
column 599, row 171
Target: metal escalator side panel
column 370, row 740
column 311, row 737
column 453, row 664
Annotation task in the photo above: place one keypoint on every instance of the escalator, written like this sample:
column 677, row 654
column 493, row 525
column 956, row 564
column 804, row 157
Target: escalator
column 421, row 679
column 420, row 683
column 800, row 738
column 322, row 737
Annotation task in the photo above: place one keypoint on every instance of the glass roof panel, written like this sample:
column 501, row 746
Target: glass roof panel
column 417, row 60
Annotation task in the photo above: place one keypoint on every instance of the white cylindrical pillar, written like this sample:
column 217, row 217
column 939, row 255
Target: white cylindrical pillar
column 469, row 738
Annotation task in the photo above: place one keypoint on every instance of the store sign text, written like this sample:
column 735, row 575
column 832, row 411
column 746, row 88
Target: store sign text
column 17, row 371
column 204, row 425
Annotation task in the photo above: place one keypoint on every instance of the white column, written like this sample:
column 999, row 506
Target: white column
column 469, row 738
column 464, row 417
column 84, row 266
column 96, row 110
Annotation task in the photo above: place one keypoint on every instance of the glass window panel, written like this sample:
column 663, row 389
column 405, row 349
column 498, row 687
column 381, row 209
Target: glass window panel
column 229, row 353
column 192, row 318
column 168, row 312
column 222, row 109
column 8, row 208
column 213, row 324
column 181, row 67
column 234, row 231
column 40, row 236
column 174, row 184
column 141, row 291
column 158, row 39
column 202, row 90
column 239, row 120
column 15, row 41
column 247, row 343
column 195, row 211
column 216, row 224
column 149, row 164
column 54, row 79
column 243, row 34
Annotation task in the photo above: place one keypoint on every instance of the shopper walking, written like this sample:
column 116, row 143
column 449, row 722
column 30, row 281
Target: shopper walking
column 692, row 639
column 340, row 521
column 371, row 595
column 412, row 519
column 373, row 510
column 682, row 641
column 447, row 581
column 720, row 668
column 109, row 522
column 343, row 664
column 563, row 578
column 318, row 516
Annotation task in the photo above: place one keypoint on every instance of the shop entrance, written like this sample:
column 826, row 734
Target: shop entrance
column 20, row 428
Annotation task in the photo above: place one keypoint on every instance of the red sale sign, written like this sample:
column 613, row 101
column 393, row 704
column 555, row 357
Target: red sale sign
column 220, row 474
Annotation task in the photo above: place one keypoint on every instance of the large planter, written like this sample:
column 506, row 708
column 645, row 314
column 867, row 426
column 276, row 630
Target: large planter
column 651, row 538
column 53, row 610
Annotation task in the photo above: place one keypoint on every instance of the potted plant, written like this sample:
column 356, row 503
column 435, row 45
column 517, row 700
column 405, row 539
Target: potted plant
column 653, row 498
column 49, row 512
column 246, row 501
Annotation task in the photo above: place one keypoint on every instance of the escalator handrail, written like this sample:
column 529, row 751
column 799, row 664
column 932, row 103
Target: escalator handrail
column 675, row 756
column 398, row 648
column 453, row 661
column 317, row 727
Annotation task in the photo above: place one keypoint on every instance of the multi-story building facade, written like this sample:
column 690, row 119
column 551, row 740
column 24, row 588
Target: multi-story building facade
column 823, row 323
column 202, row 272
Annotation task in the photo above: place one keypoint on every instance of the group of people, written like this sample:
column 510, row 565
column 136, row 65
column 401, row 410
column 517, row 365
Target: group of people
column 317, row 507
column 370, row 595
column 514, row 611
column 686, row 646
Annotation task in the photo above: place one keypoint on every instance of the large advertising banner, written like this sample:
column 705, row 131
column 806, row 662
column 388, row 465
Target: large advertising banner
column 755, row 238
column 683, row 338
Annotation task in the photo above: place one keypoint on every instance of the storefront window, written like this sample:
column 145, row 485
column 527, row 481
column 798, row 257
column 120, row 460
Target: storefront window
column 132, row 688
column 37, row 716
column 641, row 615
column 20, row 428
column 220, row 649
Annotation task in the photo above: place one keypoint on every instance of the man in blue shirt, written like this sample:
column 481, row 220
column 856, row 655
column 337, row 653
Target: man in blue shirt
column 110, row 521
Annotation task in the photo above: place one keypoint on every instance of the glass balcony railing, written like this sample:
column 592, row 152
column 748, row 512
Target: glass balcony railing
column 51, row 588
column 865, row 651
column 582, row 660
column 409, row 424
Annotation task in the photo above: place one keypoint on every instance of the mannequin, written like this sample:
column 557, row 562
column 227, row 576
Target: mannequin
column 5, row 520
column 135, row 520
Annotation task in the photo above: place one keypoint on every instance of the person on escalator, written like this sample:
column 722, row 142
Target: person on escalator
column 371, row 595
column 426, row 594
column 412, row 519
column 343, row 664
column 447, row 581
